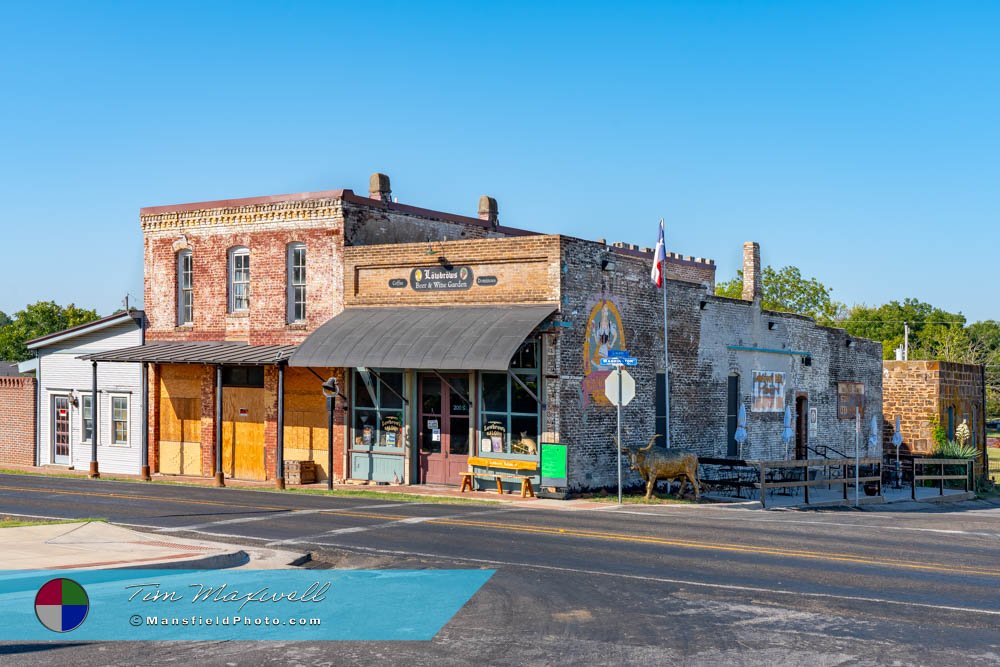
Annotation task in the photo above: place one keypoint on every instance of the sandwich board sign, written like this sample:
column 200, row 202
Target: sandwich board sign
column 553, row 465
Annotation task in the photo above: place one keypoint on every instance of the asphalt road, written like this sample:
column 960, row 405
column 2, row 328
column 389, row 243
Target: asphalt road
column 661, row 584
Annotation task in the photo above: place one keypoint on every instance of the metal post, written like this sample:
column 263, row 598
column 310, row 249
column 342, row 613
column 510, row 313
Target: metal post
column 220, row 477
column 144, row 453
column 331, row 404
column 666, row 364
column 620, row 435
column 805, row 489
column 279, row 478
column 94, row 472
column 913, row 482
column 906, row 341
column 941, row 482
column 857, row 455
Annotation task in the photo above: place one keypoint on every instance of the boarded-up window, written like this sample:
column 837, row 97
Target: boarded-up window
column 768, row 392
column 850, row 397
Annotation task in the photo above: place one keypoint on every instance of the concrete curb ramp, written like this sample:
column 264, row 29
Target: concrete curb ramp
column 99, row 545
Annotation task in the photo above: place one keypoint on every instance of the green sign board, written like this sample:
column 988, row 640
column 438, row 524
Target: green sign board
column 553, row 464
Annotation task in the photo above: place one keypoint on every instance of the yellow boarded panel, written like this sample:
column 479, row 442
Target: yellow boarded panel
column 243, row 413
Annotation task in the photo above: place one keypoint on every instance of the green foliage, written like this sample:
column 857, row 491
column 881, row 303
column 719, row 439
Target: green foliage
column 934, row 333
column 938, row 432
column 785, row 290
column 952, row 449
column 39, row 319
column 4, row 319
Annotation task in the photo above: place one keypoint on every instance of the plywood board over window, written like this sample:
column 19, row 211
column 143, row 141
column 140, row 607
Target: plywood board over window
column 850, row 398
column 180, row 420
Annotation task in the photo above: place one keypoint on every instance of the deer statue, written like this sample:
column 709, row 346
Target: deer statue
column 670, row 464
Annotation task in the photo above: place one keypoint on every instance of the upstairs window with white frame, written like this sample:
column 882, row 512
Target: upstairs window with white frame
column 239, row 280
column 119, row 420
column 185, row 288
column 296, row 282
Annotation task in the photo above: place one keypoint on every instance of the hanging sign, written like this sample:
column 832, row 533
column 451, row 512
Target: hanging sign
column 439, row 278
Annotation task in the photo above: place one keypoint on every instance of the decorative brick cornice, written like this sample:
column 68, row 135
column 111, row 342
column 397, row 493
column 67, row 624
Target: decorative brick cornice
column 313, row 209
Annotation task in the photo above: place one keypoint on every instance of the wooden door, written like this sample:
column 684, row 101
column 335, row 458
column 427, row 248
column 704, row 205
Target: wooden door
column 243, row 432
column 60, row 430
column 732, row 415
column 444, row 414
column 801, row 428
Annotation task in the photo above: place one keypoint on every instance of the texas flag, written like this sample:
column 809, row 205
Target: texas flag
column 659, row 259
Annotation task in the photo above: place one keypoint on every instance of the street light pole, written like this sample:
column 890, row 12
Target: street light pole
column 330, row 390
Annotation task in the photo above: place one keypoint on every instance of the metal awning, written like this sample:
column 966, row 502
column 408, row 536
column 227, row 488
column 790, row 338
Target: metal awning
column 420, row 337
column 178, row 352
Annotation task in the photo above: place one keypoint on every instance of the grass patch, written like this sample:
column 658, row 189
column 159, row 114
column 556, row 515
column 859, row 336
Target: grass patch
column 637, row 499
column 18, row 521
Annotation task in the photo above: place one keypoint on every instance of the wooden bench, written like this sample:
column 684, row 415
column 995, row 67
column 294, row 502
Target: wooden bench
column 503, row 464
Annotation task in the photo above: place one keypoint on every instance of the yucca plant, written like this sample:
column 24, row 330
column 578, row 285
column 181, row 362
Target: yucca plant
column 953, row 449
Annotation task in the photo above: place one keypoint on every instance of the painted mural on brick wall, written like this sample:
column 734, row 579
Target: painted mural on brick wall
column 604, row 332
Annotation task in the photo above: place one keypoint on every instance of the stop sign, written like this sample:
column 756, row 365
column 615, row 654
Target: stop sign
column 627, row 387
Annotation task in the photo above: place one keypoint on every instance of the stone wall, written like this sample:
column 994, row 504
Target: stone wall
column 917, row 391
column 17, row 420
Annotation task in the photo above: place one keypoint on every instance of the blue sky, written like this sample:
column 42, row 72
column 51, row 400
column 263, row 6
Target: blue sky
column 856, row 140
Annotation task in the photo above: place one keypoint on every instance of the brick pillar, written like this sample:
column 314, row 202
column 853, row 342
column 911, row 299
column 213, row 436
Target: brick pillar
column 270, row 420
column 208, row 421
column 153, row 410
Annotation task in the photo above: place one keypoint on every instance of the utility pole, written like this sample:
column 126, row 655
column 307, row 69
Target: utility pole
column 906, row 341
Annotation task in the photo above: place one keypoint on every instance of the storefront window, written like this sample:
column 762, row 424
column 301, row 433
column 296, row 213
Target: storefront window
column 510, row 416
column 378, row 410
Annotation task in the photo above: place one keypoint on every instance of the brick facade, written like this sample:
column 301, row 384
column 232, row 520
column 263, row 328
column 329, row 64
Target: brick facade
column 17, row 420
column 917, row 391
column 363, row 252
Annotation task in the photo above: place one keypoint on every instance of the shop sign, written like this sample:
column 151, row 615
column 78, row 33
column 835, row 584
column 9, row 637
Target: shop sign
column 495, row 436
column 439, row 278
column 397, row 283
column 768, row 392
column 486, row 281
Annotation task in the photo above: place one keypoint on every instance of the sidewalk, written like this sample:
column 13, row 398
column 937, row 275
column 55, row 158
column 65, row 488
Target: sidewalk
column 427, row 490
column 819, row 497
column 98, row 545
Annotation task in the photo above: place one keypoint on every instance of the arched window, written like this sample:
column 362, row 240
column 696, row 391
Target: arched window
column 239, row 280
column 185, row 288
column 296, row 282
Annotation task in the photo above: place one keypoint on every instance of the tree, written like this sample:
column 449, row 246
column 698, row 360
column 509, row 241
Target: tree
column 785, row 290
column 4, row 319
column 38, row 319
column 934, row 333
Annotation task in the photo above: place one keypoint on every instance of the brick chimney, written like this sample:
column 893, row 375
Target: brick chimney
column 488, row 210
column 752, row 288
column 378, row 187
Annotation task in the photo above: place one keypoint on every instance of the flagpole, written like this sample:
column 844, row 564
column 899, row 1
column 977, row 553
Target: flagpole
column 666, row 351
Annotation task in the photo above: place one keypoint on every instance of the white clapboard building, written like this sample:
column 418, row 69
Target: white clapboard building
column 65, row 395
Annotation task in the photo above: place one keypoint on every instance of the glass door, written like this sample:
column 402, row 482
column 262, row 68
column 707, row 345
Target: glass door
column 60, row 430
column 443, row 435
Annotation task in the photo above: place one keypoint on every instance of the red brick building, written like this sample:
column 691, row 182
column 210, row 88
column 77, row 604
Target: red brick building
column 17, row 420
